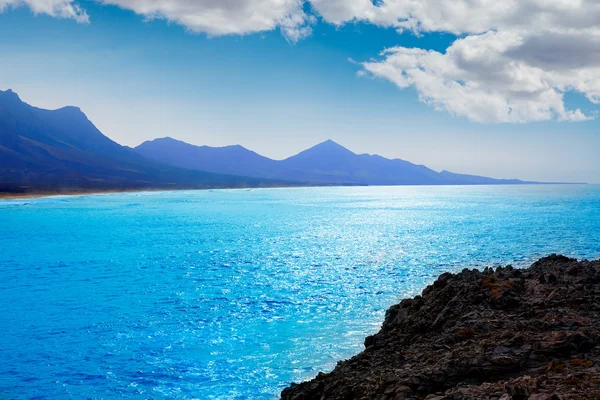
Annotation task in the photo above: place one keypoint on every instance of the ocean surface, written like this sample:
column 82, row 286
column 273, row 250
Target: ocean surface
column 233, row 294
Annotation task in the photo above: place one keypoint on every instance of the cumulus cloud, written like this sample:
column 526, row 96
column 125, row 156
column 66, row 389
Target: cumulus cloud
column 464, row 16
column 491, row 77
column 225, row 17
column 513, row 61
column 55, row 8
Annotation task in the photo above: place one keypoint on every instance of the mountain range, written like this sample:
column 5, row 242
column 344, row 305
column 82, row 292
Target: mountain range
column 325, row 163
column 62, row 150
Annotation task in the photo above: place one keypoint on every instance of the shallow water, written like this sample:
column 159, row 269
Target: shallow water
column 233, row 294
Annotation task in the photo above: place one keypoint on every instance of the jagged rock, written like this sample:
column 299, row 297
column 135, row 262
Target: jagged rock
column 492, row 334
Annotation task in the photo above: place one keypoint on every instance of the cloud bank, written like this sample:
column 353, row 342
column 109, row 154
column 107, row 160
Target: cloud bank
column 512, row 62
column 465, row 16
column 516, row 62
column 227, row 17
column 493, row 77
column 54, row 8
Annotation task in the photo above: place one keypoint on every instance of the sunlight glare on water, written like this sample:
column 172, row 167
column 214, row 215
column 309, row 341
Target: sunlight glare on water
column 233, row 294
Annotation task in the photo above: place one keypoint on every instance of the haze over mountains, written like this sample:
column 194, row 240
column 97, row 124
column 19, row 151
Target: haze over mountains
column 61, row 150
column 325, row 163
column 43, row 150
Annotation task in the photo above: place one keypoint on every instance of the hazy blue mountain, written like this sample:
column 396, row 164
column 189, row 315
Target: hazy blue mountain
column 325, row 163
column 329, row 161
column 463, row 179
column 235, row 160
column 62, row 149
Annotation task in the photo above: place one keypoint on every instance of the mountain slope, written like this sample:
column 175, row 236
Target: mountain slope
column 329, row 161
column 325, row 163
column 463, row 179
column 63, row 150
column 235, row 160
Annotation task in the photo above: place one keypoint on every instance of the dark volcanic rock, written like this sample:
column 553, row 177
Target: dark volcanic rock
column 492, row 334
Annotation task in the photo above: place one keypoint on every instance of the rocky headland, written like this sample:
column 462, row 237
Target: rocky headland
column 499, row 334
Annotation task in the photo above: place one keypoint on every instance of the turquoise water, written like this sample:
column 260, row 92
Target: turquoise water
column 233, row 294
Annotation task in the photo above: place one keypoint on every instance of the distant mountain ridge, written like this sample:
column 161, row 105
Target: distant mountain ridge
column 235, row 160
column 325, row 163
column 62, row 150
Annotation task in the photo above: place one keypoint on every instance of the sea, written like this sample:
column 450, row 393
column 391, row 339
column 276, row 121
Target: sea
column 234, row 294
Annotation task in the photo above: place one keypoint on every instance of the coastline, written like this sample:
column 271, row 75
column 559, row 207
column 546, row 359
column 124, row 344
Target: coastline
column 77, row 192
column 37, row 195
column 498, row 334
column 66, row 215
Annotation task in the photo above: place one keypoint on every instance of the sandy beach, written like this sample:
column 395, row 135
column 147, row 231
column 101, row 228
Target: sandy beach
column 33, row 195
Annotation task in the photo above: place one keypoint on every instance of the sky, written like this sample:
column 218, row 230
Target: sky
column 504, row 89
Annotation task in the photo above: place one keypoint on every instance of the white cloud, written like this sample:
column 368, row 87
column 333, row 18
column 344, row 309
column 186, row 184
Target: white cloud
column 465, row 16
column 514, row 65
column 489, row 78
column 54, row 8
column 514, row 62
column 225, row 17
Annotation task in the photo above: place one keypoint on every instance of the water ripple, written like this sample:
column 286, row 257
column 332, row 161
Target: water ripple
column 235, row 294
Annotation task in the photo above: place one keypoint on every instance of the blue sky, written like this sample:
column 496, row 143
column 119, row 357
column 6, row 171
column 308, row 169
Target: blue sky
column 138, row 79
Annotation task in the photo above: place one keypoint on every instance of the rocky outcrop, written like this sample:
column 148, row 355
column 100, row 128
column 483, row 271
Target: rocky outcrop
column 493, row 334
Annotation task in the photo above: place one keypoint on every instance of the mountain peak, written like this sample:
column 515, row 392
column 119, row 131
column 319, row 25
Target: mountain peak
column 161, row 142
column 70, row 109
column 9, row 94
column 328, row 152
column 330, row 145
column 71, row 112
column 329, row 142
column 166, row 139
column 169, row 141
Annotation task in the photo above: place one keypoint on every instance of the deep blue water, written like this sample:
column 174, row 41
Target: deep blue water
column 232, row 294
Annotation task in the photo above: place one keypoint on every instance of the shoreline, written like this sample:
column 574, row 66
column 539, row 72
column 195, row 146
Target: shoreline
column 494, row 334
column 75, row 192
column 38, row 195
